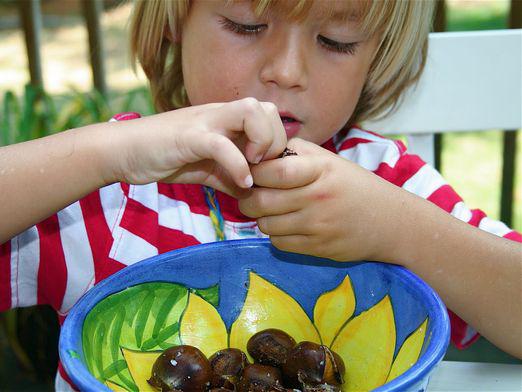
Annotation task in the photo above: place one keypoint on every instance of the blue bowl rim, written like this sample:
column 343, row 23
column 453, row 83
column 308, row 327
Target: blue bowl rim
column 84, row 380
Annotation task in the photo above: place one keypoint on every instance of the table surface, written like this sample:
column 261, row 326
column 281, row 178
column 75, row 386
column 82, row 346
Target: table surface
column 476, row 376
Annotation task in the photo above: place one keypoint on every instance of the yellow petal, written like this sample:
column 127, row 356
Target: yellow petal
column 333, row 309
column 114, row 387
column 266, row 306
column 409, row 352
column 202, row 326
column 140, row 367
column 366, row 344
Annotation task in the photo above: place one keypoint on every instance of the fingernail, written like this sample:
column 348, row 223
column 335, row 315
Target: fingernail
column 249, row 181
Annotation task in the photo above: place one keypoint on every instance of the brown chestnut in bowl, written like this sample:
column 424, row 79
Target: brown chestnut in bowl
column 270, row 346
column 310, row 364
column 260, row 378
column 227, row 365
column 184, row 368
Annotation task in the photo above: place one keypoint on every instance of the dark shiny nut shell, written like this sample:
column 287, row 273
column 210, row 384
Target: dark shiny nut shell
column 270, row 346
column 182, row 368
column 310, row 364
column 334, row 368
column 224, row 382
column 260, row 378
column 228, row 362
column 287, row 152
column 322, row 388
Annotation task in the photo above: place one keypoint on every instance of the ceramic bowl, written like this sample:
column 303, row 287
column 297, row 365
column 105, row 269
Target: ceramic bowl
column 390, row 328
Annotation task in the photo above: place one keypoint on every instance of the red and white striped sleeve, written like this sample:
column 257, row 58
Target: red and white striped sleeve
column 56, row 261
column 390, row 160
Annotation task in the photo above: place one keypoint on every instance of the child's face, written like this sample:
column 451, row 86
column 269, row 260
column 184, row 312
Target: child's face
column 313, row 70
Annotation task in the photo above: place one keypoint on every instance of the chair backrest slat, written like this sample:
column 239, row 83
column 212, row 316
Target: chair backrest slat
column 472, row 81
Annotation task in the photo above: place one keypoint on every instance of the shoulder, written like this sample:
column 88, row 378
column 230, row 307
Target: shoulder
column 369, row 149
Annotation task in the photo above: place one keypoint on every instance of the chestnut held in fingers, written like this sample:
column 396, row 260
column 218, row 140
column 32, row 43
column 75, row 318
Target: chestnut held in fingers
column 270, row 346
column 311, row 364
column 183, row 368
column 260, row 378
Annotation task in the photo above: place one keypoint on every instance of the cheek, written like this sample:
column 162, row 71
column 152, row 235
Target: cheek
column 212, row 73
column 334, row 106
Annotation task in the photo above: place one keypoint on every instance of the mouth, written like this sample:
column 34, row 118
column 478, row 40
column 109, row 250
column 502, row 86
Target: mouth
column 291, row 124
column 286, row 119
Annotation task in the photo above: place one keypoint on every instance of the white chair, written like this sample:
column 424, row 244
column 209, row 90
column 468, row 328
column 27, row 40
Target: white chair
column 472, row 82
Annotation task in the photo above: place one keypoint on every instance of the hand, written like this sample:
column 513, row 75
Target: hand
column 320, row 204
column 207, row 144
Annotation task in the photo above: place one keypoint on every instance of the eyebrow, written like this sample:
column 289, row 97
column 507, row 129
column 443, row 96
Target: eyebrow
column 344, row 16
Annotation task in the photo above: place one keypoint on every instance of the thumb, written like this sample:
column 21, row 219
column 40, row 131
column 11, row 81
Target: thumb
column 304, row 147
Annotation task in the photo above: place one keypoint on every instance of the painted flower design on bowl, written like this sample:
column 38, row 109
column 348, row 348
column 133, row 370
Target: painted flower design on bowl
column 125, row 333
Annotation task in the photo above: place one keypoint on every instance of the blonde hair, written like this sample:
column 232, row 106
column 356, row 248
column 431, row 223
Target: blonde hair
column 402, row 26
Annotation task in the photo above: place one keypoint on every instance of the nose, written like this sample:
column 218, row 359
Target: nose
column 285, row 62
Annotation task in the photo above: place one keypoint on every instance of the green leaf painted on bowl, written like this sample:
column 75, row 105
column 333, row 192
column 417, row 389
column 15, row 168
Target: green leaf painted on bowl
column 73, row 354
column 143, row 317
column 210, row 294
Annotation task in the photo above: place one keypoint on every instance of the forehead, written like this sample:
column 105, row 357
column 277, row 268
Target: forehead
column 337, row 10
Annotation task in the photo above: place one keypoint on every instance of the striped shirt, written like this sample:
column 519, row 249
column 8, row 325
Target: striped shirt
column 56, row 261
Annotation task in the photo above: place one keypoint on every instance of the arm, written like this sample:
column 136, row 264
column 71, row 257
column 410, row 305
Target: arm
column 477, row 274
column 208, row 144
column 42, row 176
column 320, row 204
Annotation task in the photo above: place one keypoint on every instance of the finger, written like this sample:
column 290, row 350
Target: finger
column 304, row 147
column 279, row 139
column 291, row 243
column 225, row 153
column 208, row 172
column 248, row 115
column 268, row 201
column 284, row 225
column 286, row 173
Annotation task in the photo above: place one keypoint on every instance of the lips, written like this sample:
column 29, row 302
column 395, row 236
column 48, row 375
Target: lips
column 291, row 124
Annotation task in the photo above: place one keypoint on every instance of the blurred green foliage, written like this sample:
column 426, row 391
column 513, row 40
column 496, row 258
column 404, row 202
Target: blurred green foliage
column 485, row 15
column 37, row 114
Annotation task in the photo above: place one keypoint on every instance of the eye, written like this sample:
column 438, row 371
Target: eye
column 243, row 29
column 340, row 47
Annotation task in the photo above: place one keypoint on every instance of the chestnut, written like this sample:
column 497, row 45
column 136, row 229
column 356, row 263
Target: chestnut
column 287, row 152
column 227, row 366
column 183, row 368
column 309, row 364
column 228, row 362
column 260, row 378
column 223, row 382
column 322, row 388
column 270, row 346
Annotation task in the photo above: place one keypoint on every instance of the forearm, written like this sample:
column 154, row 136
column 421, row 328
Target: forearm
column 41, row 177
column 477, row 274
